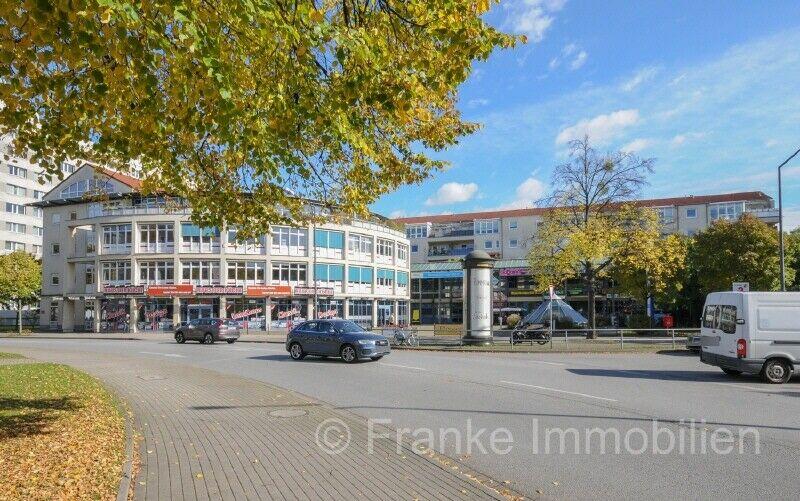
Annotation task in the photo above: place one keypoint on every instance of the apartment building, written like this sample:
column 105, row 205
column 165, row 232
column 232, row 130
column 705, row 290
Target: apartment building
column 21, row 226
column 439, row 242
column 128, row 262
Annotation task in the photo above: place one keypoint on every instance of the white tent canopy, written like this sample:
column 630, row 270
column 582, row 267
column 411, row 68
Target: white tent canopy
column 563, row 313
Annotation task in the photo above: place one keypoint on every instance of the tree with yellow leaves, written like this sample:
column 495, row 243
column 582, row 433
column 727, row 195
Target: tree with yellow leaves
column 589, row 224
column 243, row 108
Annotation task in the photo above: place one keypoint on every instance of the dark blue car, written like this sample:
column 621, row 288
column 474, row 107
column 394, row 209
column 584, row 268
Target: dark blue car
column 335, row 338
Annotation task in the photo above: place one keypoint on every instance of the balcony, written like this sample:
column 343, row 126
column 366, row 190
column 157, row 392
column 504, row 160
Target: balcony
column 447, row 253
column 768, row 215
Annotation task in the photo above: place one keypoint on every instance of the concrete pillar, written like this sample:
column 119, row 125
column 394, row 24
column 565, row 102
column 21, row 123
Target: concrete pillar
column 268, row 312
column 374, row 313
column 477, row 288
column 310, row 309
column 223, row 303
column 345, row 308
column 134, row 313
column 394, row 313
column 68, row 315
column 176, row 311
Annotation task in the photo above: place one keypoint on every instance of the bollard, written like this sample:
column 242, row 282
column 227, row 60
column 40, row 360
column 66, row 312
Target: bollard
column 673, row 339
column 566, row 338
column 622, row 339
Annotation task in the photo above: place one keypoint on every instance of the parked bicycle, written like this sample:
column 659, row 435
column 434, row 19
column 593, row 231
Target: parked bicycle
column 404, row 337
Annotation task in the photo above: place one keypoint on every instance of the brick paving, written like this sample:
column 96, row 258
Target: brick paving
column 210, row 436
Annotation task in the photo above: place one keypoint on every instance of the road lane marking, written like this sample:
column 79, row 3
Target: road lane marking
column 174, row 355
column 741, row 386
column 547, row 363
column 559, row 391
column 403, row 366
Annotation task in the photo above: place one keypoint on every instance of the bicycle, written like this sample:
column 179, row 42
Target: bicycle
column 407, row 338
column 540, row 336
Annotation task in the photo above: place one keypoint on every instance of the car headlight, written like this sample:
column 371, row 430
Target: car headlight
column 366, row 342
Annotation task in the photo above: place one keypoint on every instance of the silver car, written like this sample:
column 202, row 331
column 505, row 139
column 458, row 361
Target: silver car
column 208, row 330
column 336, row 338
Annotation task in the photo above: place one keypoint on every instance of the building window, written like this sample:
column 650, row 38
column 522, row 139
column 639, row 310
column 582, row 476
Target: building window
column 67, row 168
column 385, row 278
column 417, row 230
column 16, row 227
column 329, row 243
column 414, row 248
column 89, row 275
column 360, row 311
column 37, row 250
column 200, row 272
column 666, row 215
column 15, row 208
column 18, row 171
column 157, row 272
column 117, row 238
column 513, row 243
column 157, row 237
column 38, row 195
column 247, row 272
column 359, row 274
column 116, row 272
column 402, row 252
column 38, row 231
column 244, row 246
column 487, row 226
column 731, row 210
column 54, row 279
column 329, row 275
column 691, row 213
column 13, row 189
column 37, row 212
column 288, row 273
column 288, row 241
column 384, row 251
column 402, row 279
column 359, row 247
column 55, row 249
column 196, row 239
column 512, row 225
column 487, row 244
column 92, row 186
column 55, row 218
column 14, row 246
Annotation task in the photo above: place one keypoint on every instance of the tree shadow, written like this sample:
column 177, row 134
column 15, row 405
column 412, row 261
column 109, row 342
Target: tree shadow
column 31, row 416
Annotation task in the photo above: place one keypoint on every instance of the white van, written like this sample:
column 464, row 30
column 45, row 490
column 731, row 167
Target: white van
column 753, row 332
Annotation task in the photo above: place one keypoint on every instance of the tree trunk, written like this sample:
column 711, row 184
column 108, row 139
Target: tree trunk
column 592, row 334
column 19, row 317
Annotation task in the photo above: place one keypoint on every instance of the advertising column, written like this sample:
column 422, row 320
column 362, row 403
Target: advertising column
column 478, row 298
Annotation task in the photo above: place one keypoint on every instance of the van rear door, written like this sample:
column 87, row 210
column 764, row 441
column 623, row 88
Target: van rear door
column 719, row 328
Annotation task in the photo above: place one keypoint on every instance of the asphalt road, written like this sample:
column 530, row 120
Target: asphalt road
column 545, row 402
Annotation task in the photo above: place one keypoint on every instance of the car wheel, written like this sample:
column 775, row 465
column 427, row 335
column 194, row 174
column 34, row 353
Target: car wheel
column 777, row 372
column 296, row 352
column 179, row 338
column 348, row 354
column 208, row 338
column 231, row 341
column 375, row 359
column 731, row 372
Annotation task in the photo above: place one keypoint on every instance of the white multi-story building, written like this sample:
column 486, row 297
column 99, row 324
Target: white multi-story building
column 21, row 226
column 123, row 261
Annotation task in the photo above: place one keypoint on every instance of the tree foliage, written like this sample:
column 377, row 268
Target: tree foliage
column 20, row 280
column 242, row 107
column 744, row 250
column 589, row 223
column 791, row 244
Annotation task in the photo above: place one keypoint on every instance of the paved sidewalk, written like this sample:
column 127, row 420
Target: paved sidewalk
column 212, row 436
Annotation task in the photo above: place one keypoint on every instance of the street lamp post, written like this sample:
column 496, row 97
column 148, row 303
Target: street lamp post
column 780, row 220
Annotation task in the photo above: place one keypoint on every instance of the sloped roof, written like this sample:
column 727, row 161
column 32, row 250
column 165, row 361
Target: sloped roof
column 125, row 179
column 537, row 211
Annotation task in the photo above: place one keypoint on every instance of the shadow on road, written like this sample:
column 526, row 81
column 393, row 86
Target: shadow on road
column 287, row 358
column 679, row 353
column 662, row 375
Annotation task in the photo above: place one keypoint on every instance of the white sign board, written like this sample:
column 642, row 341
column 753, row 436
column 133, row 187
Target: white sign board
column 741, row 286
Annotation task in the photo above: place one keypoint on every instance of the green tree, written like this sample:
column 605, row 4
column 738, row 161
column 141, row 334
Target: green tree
column 20, row 281
column 791, row 242
column 244, row 107
column 589, row 223
column 744, row 250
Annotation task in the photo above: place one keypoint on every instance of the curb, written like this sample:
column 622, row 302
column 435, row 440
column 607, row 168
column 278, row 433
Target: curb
column 127, row 465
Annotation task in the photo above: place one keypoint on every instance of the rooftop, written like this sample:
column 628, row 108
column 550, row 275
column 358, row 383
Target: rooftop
column 537, row 211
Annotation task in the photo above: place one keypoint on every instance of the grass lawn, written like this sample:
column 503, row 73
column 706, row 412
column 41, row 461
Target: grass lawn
column 61, row 434
column 9, row 355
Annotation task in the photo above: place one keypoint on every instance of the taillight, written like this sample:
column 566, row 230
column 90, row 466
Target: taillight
column 741, row 348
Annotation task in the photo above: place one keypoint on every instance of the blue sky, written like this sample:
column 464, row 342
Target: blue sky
column 710, row 89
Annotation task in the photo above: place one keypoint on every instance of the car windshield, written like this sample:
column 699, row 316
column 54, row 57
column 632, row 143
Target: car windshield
column 348, row 327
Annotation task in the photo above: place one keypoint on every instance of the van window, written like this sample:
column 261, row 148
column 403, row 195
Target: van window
column 709, row 316
column 727, row 319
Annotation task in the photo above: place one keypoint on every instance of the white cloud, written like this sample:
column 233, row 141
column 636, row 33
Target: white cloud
column 638, row 145
column 601, row 128
column 791, row 218
column 397, row 213
column 769, row 143
column 554, row 63
column 681, row 139
column 476, row 103
column 533, row 17
column 579, row 60
column 638, row 78
column 450, row 193
column 528, row 192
